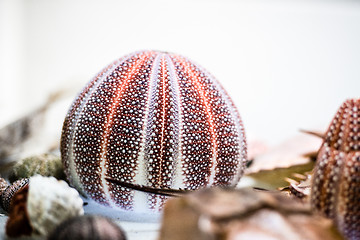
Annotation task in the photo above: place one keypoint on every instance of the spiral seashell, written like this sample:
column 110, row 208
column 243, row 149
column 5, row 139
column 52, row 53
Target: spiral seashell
column 41, row 206
column 18, row 221
column 3, row 185
column 336, row 180
column 88, row 228
column 59, row 202
column 151, row 119
column 43, row 164
column 10, row 191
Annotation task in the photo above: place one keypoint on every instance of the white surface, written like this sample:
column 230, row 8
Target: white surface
column 133, row 230
column 287, row 64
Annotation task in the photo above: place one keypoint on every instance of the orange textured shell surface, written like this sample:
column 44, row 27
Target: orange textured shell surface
column 151, row 119
column 336, row 181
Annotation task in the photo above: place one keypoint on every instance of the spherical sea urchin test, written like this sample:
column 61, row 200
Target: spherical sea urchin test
column 151, row 119
column 336, row 181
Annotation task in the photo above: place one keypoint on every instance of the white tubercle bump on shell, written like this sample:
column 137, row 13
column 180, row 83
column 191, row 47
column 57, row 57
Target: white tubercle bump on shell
column 50, row 202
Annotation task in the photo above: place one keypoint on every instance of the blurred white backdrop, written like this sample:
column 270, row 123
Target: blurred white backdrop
column 286, row 64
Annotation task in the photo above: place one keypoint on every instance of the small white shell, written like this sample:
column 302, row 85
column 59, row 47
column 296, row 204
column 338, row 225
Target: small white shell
column 50, row 202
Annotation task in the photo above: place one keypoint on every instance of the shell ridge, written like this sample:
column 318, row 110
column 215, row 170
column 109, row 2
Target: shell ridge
column 163, row 113
column 157, row 179
column 178, row 181
column 140, row 176
column 342, row 157
column 157, row 133
column 107, row 128
column 71, row 155
column 345, row 189
column 168, row 133
column 241, row 137
column 328, row 196
column 189, row 70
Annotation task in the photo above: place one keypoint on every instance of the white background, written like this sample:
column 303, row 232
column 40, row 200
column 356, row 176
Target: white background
column 286, row 64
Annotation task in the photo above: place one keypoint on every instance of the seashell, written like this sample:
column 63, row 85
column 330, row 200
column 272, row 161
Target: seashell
column 45, row 204
column 43, row 164
column 58, row 202
column 18, row 221
column 336, row 180
column 151, row 119
column 88, row 228
column 10, row 191
column 3, row 185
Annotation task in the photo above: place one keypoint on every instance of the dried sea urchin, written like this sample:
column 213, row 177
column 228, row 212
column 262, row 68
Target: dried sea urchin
column 151, row 119
column 336, row 181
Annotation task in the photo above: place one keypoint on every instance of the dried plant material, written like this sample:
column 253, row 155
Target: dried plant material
column 299, row 186
column 43, row 164
column 242, row 214
column 288, row 154
column 269, row 170
column 270, row 225
column 319, row 134
column 277, row 178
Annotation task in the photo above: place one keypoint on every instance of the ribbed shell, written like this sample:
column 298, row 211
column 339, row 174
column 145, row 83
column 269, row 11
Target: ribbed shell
column 336, row 180
column 3, row 185
column 50, row 202
column 9, row 192
column 154, row 119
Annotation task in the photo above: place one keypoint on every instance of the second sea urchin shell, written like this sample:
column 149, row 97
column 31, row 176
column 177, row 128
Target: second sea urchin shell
column 151, row 119
column 336, row 181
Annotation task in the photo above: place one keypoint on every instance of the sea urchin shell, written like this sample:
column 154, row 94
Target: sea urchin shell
column 152, row 119
column 336, row 181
